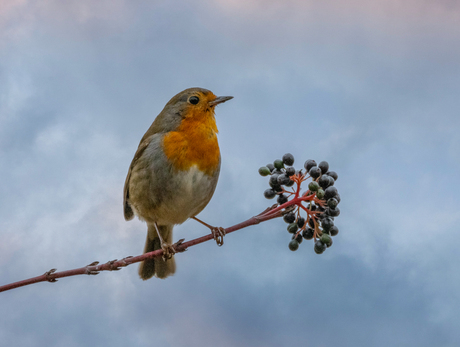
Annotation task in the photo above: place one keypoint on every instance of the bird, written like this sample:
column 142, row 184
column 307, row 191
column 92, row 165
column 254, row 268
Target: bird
column 174, row 174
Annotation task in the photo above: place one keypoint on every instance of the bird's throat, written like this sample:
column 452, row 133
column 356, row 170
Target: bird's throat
column 194, row 143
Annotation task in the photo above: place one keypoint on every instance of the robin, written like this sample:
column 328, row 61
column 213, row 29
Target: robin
column 174, row 174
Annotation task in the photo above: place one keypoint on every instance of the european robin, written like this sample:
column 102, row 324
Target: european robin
column 174, row 173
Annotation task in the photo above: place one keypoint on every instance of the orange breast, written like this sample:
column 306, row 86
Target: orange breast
column 194, row 143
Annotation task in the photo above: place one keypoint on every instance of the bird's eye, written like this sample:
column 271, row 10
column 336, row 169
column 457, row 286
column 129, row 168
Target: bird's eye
column 194, row 100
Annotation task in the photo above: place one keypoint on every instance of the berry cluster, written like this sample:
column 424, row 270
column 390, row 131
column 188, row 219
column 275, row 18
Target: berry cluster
column 319, row 202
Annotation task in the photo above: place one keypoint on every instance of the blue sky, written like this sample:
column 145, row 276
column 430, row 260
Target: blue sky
column 371, row 87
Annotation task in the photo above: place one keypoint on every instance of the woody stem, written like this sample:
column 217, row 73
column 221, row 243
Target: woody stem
column 95, row 268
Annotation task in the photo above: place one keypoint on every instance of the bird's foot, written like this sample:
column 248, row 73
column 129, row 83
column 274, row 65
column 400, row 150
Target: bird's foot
column 218, row 233
column 170, row 250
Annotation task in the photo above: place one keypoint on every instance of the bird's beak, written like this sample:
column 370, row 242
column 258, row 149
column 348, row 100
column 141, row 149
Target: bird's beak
column 219, row 100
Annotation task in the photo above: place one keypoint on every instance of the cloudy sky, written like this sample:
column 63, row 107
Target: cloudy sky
column 370, row 86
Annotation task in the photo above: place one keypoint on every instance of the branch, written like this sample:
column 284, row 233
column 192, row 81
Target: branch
column 320, row 208
column 115, row 265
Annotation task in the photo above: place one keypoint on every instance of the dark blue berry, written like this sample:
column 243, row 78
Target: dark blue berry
column 337, row 197
column 300, row 222
column 288, row 159
column 293, row 245
column 277, row 189
column 289, row 217
column 282, row 199
column 269, row 193
column 327, row 223
column 298, row 238
column 324, row 181
column 273, row 179
column 309, row 164
column 273, row 182
column 330, row 192
column 333, row 174
column 333, row 212
column 283, row 179
column 290, row 171
column 324, row 166
column 333, row 231
column 290, row 183
column 292, row 228
column 315, row 172
column 308, row 233
column 319, row 247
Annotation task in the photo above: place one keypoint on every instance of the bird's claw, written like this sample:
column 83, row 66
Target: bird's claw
column 167, row 251
column 218, row 233
column 170, row 250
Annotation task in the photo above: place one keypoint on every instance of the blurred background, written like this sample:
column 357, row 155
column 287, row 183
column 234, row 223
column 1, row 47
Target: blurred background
column 370, row 86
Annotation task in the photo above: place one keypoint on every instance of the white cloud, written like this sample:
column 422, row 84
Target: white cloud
column 370, row 87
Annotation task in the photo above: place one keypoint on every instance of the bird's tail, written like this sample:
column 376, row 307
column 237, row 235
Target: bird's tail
column 158, row 267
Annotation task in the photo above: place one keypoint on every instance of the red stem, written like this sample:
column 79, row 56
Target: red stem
column 95, row 268
column 114, row 265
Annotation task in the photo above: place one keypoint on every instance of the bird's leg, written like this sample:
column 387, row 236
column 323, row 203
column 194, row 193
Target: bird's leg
column 217, row 232
column 168, row 250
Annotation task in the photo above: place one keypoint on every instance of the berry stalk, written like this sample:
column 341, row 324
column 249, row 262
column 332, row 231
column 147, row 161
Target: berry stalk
column 319, row 202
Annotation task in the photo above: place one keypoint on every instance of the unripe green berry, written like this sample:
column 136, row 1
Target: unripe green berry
column 320, row 194
column 270, row 166
column 332, row 203
column 326, row 239
column 313, row 186
column 264, row 171
column 278, row 163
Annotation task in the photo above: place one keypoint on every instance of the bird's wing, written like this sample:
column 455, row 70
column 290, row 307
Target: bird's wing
column 127, row 209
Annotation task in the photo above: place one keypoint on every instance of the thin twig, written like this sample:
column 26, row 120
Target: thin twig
column 94, row 268
column 274, row 211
